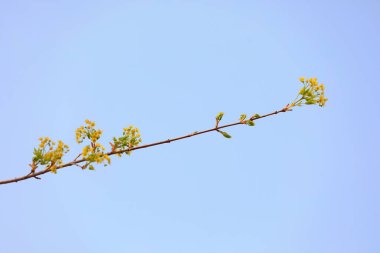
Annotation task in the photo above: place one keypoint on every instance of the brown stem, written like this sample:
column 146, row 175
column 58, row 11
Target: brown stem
column 114, row 152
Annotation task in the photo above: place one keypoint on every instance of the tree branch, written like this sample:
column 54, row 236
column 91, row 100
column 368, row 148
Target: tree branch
column 77, row 162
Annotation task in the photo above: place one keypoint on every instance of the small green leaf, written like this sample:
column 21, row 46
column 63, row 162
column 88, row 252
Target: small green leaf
column 242, row 117
column 91, row 167
column 219, row 116
column 250, row 123
column 256, row 116
column 225, row 134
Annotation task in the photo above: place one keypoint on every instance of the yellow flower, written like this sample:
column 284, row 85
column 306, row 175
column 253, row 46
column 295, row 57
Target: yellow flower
column 322, row 100
column 53, row 169
column 107, row 158
column 85, row 151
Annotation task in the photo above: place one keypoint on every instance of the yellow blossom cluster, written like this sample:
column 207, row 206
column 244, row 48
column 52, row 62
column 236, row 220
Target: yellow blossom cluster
column 131, row 138
column 94, row 152
column 49, row 154
column 311, row 93
column 88, row 132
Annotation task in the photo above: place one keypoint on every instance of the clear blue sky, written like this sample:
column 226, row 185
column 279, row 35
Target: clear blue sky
column 304, row 181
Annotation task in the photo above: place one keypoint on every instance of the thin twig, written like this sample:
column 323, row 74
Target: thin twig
column 76, row 158
column 114, row 152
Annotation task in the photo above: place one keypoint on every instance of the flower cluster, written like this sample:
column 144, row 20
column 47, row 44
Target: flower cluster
column 94, row 152
column 49, row 154
column 311, row 93
column 131, row 138
column 88, row 132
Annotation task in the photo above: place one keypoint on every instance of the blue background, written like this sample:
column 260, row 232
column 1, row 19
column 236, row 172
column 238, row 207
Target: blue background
column 304, row 181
